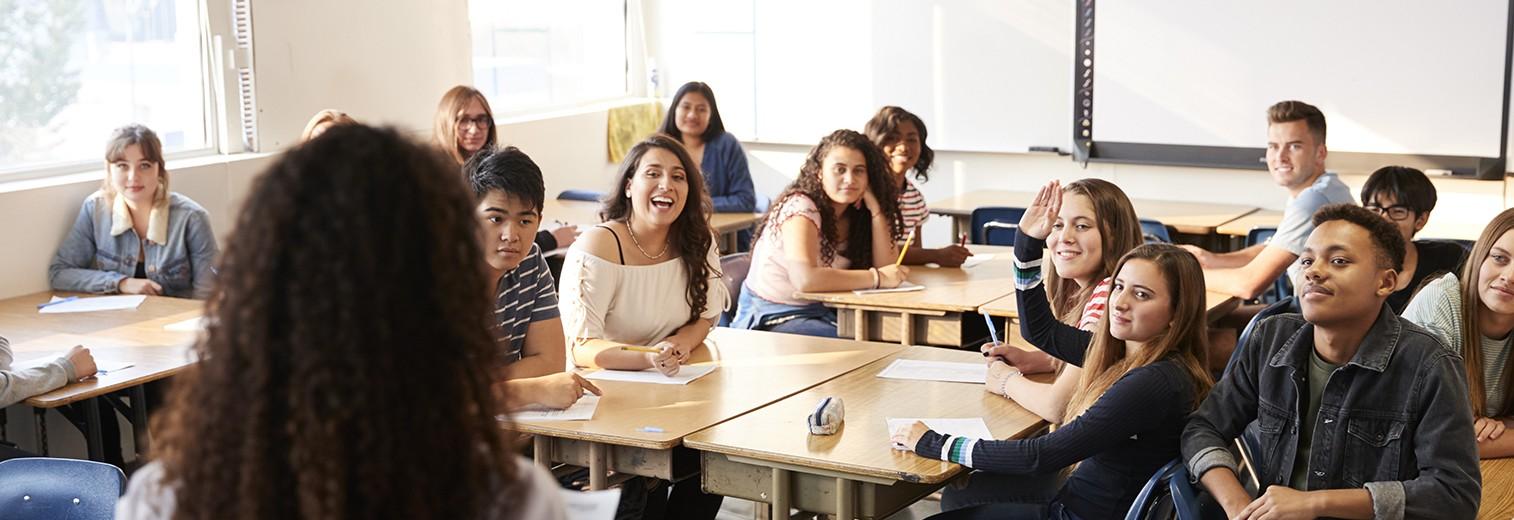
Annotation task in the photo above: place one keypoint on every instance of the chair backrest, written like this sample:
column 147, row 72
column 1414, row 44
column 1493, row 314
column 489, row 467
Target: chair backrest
column 1155, row 231
column 1281, row 287
column 1167, row 494
column 1000, row 233
column 1001, row 214
column 48, row 488
column 583, row 195
column 733, row 269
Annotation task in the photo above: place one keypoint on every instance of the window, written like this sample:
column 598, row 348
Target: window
column 529, row 54
column 73, row 70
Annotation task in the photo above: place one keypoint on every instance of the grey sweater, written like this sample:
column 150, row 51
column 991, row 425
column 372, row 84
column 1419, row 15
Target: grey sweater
column 16, row 385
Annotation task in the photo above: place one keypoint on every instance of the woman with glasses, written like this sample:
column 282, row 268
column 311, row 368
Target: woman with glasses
column 1405, row 197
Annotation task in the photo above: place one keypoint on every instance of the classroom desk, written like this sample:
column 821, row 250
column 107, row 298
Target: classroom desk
column 1497, row 490
column 756, row 368
column 135, row 335
column 1216, row 304
column 768, row 456
column 585, row 213
column 1442, row 229
column 1199, row 218
column 933, row 316
column 1259, row 218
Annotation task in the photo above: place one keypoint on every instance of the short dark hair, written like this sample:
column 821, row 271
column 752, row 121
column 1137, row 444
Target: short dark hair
column 670, row 122
column 1390, row 245
column 508, row 170
column 1290, row 111
column 1408, row 186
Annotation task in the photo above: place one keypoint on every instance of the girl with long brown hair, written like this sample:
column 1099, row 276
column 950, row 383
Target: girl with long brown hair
column 342, row 372
column 1474, row 315
column 833, row 229
column 1143, row 373
column 464, row 124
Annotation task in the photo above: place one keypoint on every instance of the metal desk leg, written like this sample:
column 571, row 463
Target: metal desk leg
column 599, row 472
column 92, row 429
column 541, row 451
column 139, row 419
column 39, row 420
column 845, row 499
column 780, row 499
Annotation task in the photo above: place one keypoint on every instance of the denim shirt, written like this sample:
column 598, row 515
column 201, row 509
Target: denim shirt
column 1394, row 420
column 94, row 261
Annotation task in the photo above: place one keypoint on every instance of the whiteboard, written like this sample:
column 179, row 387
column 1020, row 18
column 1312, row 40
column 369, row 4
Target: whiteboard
column 984, row 75
column 1391, row 76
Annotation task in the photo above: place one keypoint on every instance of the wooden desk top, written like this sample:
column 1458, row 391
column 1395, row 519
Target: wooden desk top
column 756, row 368
column 948, row 289
column 1188, row 217
column 777, row 432
column 1006, row 307
column 585, row 213
column 136, row 336
column 1259, row 218
column 1497, row 490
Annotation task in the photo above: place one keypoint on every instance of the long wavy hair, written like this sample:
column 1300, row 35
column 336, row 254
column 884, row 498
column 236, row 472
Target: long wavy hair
column 1186, row 340
column 859, row 249
column 342, row 370
column 886, row 121
column 691, row 234
column 1472, row 310
column 152, row 150
column 1119, row 232
column 444, row 126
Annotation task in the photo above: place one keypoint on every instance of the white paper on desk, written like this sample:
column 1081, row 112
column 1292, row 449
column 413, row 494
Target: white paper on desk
column 686, row 374
column 972, row 427
column 582, row 410
column 105, row 366
column 903, row 287
column 976, row 260
column 189, row 325
column 590, row 505
column 936, row 371
column 92, row 304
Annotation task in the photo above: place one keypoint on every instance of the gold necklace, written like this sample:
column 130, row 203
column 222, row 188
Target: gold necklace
column 644, row 252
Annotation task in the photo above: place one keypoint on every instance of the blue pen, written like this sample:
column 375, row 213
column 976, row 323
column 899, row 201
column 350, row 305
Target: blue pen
column 64, row 300
column 992, row 333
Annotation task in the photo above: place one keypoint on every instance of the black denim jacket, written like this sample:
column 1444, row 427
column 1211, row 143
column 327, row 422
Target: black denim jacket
column 1394, row 420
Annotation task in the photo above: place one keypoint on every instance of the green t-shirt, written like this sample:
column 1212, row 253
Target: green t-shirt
column 1319, row 373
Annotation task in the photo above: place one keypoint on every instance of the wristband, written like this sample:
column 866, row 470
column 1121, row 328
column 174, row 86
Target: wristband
column 1004, row 387
column 877, row 278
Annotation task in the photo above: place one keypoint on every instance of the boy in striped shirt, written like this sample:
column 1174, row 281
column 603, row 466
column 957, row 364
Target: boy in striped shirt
column 509, row 192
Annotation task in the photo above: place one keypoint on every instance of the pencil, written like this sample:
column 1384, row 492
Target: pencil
column 907, row 242
column 642, row 349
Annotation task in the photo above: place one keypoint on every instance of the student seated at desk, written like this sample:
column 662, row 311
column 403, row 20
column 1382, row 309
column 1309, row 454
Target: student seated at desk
column 134, row 236
column 323, row 121
column 694, row 120
column 1359, row 413
column 1143, row 373
column 1474, row 315
column 1405, row 197
column 18, row 385
column 1088, row 226
column 901, row 136
column 463, row 126
column 649, row 277
column 1296, row 158
column 839, row 216
column 507, row 186
column 342, row 370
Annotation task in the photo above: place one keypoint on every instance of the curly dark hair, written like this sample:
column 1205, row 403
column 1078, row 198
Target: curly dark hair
column 691, row 235
column 859, row 249
column 1389, row 244
column 341, row 372
column 887, row 121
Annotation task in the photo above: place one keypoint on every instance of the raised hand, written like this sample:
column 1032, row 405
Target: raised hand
column 1042, row 213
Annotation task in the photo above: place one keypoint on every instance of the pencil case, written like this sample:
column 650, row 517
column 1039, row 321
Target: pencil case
column 827, row 418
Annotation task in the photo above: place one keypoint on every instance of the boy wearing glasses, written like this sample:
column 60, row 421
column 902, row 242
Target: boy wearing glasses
column 1405, row 197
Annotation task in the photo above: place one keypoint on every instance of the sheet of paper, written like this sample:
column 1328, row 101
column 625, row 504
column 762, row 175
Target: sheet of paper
column 582, row 410
column 965, row 427
column 904, row 287
column 104, row 366
column 976, row 260
column 936, row 371
column 686, row 375
column 590, row 505
column 94, row 303
column 189, row 325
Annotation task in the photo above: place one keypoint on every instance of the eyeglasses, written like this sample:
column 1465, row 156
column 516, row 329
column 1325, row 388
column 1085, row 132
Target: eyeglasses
column 1394, row 212
column 481, row 121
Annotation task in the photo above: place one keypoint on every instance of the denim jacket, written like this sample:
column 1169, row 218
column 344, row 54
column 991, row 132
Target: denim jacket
column 1395, row 420
column 93, row 260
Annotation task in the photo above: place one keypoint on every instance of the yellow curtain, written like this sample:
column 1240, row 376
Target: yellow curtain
column 630, row 124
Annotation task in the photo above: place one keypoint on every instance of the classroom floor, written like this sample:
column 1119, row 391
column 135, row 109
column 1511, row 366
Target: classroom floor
column 738, row 509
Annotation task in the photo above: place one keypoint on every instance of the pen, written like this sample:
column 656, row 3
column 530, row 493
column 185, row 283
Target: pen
column 992, row 333
column 642, row 349
column 907, row 242
column 55, row 302
column 962, row 239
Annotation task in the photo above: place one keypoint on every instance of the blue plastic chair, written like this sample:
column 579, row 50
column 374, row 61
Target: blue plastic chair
column 583, row 195
column 1281, row 287
column 51, row 489
column 1007, row 221
column 1167, row 494
column 1155, row 231
column 733, row 269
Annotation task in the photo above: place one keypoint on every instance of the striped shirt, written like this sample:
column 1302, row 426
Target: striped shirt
column 526, row 294
column 1437, row 308
column 1094, row 309
column 912, row 208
